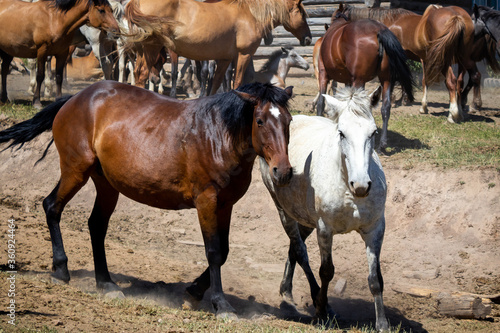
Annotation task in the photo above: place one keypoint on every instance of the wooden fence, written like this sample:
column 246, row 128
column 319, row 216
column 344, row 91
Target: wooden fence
column 319, row 12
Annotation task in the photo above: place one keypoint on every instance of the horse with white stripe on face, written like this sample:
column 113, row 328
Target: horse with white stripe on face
column 338, row 186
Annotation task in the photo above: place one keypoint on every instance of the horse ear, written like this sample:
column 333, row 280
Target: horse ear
column 246, row 97
column 333, row 107
column 341, row 7
column 375, row 96
column 289, row 91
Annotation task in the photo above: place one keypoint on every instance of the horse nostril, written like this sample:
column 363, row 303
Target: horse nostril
column 369, row 187
column 275, row 171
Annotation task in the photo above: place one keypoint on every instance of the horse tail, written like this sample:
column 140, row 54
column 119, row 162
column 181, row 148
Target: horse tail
column 490, row 54
column 444, row 50
column 150, row 28
column 29, row 129
column 398, row 66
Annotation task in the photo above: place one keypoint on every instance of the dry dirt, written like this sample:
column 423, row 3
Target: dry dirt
column 442, row 234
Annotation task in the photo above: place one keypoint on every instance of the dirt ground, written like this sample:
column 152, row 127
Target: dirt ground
column 443, row 235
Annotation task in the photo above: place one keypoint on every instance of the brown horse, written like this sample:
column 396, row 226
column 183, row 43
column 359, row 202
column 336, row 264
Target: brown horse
column 164, row 153
column 355, row 52
column 44, row 28
column 439, row 38
column 222, row 31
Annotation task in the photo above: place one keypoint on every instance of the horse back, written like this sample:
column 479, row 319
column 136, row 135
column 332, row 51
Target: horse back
column 149, row 147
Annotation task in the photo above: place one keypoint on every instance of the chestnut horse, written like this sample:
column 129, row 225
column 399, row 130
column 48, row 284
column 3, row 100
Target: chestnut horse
column 355, row 52
column 442, row 36
column 222, row 31
column 164, row 153
column 44, row 28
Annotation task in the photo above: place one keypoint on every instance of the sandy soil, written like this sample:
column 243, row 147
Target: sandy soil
column 442, row 234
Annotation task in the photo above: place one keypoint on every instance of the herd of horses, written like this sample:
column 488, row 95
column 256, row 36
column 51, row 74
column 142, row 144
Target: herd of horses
column 322, row 173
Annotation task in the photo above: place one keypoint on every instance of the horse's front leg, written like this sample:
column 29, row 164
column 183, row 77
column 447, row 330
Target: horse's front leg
column 219, row 75
column 322, row 85
column 40, row 76
column 326, row 271
column 60, row 63
column 474, row 83
column 6, row 60
column 242, row 63
column 174, row 65
column 214, row 223
column 373, row 241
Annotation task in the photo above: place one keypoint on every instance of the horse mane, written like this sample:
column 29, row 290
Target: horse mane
column 267, row 13
column 489, row 13
column 384, row 15
column 357, row 101
column 272, row 58
column 237, row 115
column 65, row 5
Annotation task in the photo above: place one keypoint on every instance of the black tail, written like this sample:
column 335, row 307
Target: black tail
column 400, row 72
column 27, row 130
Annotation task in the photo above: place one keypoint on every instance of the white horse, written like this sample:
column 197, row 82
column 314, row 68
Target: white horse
column 338, row 186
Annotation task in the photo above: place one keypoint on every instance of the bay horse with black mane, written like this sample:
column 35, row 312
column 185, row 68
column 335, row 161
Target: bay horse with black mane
column 355, row 52
column 164, row 153
column 44, row 28
column 442, row 36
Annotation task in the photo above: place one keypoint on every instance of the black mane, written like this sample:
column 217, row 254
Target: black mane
column 237, row 114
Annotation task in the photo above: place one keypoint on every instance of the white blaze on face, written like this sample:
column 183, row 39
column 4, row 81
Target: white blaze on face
column 275, row 111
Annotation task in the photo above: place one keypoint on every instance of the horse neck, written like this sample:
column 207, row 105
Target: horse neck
column 283, row 68
column 75, row 17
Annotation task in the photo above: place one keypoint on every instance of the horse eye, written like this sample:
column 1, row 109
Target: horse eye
column 342, row 136
column 373, row 134
column 102, row 11
column 260, row 122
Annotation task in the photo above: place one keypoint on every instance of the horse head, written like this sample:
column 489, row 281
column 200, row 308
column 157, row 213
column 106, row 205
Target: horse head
column 351, row 109
column 270, row 129
column 297, row 23
column 101, row 17
column 293, row 59
column 486, row 21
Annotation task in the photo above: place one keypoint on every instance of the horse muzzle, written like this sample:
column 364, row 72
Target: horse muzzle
column 306, row 41
column 360, row 190
column 281, row 176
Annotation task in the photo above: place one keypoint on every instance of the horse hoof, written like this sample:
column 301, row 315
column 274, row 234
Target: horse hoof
column 227, row 316
column 115, row 294
column 56, row 280
column 423, row 111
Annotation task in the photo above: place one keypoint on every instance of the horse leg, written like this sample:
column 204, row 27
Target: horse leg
column 219, row 75
column 373, row 241
column 47, row 82
column 423, row 106
column 228, row 77
column 386, row 114
column 69, row 184
column 174, row 62
column 455, row 112
column 297, row 252
column 214, row 223
column 104, row 205
column 326, row 272
column 6, row 60
column 475, row 83
column 60, row 63
column 203, row 72
column 242, row 63
column 40, row 75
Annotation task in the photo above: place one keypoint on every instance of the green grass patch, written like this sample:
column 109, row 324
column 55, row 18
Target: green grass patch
column 18, row 111
column 431, row 139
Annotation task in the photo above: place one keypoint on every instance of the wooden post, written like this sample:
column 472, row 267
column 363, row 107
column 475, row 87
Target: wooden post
column 462, row 306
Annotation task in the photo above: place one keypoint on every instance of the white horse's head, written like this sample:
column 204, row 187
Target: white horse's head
column 351, row 109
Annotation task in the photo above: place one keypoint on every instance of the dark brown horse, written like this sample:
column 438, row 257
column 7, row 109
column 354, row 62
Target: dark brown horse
column 44, row 28
column 164, row 153
column 355, row 52
column 439, row 38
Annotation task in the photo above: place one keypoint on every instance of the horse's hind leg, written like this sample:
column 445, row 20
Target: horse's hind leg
column 104, row 206
column 373, row 242
column 297, row 253
column 326, row 271
column 54, row 205
column 6, row 60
